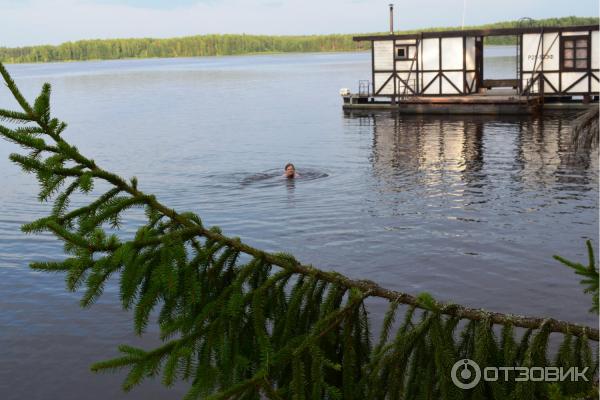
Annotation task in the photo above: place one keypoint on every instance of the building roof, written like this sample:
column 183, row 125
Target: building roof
column 478, row 32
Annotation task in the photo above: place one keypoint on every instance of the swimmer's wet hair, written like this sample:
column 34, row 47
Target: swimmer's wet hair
column 288, row 165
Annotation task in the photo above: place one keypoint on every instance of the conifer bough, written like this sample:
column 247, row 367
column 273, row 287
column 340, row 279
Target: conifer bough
column 240, row 323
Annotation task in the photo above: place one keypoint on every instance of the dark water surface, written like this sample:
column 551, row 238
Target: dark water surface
column 470, row 209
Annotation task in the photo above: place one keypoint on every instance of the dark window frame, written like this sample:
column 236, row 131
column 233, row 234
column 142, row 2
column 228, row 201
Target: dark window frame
column 574, row 39
column 398, row 47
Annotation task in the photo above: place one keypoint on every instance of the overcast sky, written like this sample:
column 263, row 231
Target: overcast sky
column 28, row 22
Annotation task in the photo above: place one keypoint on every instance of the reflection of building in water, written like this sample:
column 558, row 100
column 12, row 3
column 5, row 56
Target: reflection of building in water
column 456, row 153
column 431, row 146
column 545, row 153
column 537, row 147
column 473, row 147
column 393, row 151
column 432, row 162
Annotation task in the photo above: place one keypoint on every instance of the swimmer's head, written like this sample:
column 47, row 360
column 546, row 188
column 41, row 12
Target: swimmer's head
column 290, row 170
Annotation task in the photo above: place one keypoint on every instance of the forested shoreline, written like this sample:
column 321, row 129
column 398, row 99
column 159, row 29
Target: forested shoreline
column 230, row 44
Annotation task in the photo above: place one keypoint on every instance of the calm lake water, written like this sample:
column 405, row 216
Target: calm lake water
column 470, row 209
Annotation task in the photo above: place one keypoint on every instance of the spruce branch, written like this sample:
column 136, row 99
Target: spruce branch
column 589, row 273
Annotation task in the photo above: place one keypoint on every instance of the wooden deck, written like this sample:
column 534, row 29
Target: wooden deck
column 471, row 99
column 485, row 103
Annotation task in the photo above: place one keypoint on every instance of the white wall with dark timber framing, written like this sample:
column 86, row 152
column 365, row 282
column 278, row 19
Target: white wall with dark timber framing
column 564, row 62
column 556, row 60
column 395, row 67
column 540, row 56
column 429, row 53
column 452, row 73
column 595, row 72
column 433, row 66
column 383, row 67
column 384, row 55
column 470, row 73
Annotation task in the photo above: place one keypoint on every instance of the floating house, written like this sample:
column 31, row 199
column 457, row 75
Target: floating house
column 443, row 72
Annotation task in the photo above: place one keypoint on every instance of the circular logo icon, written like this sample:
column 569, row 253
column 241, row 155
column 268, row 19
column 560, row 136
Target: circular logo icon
column 466, row 374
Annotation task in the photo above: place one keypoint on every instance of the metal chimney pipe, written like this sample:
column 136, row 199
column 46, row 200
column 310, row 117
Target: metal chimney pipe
column 391, row 19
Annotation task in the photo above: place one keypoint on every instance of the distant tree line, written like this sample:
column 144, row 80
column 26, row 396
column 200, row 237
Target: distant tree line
column 191, row 46
column 217, row 45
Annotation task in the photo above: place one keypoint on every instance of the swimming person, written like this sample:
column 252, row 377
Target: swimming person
column 290, row 171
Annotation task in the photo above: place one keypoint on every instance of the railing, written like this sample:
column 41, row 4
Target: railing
column 364, row 88
column 407, row 86
column 534, row 86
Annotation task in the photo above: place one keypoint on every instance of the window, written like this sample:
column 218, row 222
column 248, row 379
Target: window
column 575, row 53
column 401, row 52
